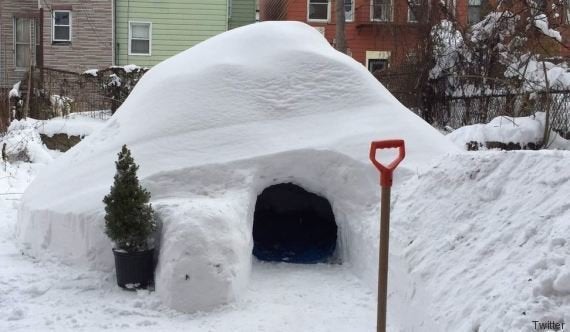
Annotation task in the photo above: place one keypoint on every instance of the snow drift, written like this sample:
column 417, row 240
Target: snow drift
column 211, row 128
column 521, row 132
column 487, row 235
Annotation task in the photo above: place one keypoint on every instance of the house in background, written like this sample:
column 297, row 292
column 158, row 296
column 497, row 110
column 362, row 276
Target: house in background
column 74, row 35
column 148, row 32
column 63, row 34
column 378, row 32
column 381, row 32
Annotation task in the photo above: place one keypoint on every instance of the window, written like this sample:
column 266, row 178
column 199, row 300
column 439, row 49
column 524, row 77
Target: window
column 474, row 10
column 377, row 60
column 23, row 28
column 375, row 65
column 414, row 7
column 381, row 10
column 319, row 10
column 61, row 26
column 139, row 38
column 349, row 10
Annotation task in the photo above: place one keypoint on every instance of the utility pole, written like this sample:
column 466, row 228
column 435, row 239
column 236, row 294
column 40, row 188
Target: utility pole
column 340, row 23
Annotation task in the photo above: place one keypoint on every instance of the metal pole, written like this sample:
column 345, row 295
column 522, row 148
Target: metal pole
column 383, row 259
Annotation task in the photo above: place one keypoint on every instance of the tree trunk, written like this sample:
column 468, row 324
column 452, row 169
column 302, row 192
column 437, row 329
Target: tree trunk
column 340, row 23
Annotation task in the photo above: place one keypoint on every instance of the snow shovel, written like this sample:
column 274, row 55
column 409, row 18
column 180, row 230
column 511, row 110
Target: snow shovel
column 386, row 184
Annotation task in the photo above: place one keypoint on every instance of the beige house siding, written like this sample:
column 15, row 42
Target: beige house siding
column 8, row 10
column 91, row 43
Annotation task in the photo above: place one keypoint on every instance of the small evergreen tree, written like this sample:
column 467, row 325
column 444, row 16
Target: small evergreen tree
column 129, row 220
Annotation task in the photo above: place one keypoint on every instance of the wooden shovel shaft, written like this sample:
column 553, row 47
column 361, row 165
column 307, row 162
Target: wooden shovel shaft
column 383, row 259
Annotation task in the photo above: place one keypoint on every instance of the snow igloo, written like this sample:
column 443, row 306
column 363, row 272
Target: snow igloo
column 235, row 137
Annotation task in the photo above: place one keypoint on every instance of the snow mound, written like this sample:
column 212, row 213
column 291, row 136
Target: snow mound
column 74, row 124
column 525, row 132
column 487, row 236
column 23, row 137
column 23, row 143
column 211, row 128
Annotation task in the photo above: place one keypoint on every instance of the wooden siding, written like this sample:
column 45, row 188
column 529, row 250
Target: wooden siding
column 243, row 13
column 9, row 9
column 91, row 43
column 176, row 26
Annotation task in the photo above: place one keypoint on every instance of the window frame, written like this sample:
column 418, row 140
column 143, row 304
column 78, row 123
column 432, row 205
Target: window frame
column 390, row 19
column 417, row 3
column 130, row 37
column 353, row 9
column 16, row 43
column 53, row 25
column 318, row 20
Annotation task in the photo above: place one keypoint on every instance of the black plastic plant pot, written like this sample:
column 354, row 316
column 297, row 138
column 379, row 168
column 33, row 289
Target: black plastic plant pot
column 135, row 270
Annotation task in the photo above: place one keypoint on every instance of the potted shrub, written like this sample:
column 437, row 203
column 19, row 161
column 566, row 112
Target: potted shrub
column 129, row 223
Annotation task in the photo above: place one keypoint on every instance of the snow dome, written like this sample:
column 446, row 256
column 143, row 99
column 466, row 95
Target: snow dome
column 235, row 129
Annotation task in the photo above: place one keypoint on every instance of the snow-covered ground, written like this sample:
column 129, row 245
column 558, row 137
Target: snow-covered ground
column 47, row 295
column 523, row 131
column 486, row 235
column 480, row 240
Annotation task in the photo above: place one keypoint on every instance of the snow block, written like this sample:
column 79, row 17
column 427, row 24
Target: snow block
column 211, row 128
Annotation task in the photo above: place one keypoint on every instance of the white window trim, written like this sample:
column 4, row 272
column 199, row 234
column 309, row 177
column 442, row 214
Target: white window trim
column 353, row 11
column 319, row 20
column 53, row 26
column 378, row 55
column 15, row 46
column 149, row 38
column 372, row 19
column 410, row 12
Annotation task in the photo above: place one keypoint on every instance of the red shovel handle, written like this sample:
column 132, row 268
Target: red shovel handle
column 386, row 171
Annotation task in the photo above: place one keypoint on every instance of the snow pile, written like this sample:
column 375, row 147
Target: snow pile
column 526, row 132
column 127, row 68
column 75, row 124
column 487, row 237
column 213, row 127
column 23, row 143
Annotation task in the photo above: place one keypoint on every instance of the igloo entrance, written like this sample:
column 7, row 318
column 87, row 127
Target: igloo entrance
column 293, row 225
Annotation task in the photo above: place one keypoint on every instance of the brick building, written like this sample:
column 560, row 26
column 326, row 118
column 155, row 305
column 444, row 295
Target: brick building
column 381, row 33
column 62, row 34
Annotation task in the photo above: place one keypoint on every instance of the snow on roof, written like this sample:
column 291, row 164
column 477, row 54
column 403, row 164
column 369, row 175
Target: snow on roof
column 212, row 127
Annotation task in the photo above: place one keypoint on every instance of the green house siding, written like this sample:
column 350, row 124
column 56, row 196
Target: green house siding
column 176, row 26
column 242, row 13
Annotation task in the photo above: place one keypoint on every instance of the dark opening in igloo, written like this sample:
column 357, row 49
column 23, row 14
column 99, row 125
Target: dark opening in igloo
column 293, row 225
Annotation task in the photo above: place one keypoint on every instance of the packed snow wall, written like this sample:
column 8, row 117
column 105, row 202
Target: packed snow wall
column 485, row 235
column 211, row 128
